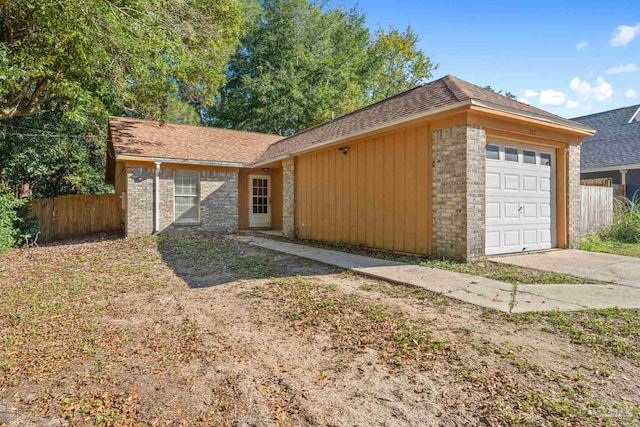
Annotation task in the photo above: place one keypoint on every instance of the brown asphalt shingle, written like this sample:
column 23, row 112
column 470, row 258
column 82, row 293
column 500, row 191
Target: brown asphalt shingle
column 150, row 139
column 171, row 141
column 439, row 93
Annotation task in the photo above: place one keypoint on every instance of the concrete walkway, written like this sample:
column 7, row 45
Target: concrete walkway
column 622, row 270
column 464, row 287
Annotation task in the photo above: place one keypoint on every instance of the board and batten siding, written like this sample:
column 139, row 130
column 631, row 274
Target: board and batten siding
column 377, row 195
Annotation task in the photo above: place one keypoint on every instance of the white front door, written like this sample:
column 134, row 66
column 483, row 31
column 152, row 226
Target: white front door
column 259, row 201
column 520, row 198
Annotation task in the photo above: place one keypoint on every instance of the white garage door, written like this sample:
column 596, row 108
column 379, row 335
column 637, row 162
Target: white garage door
column 521, row 213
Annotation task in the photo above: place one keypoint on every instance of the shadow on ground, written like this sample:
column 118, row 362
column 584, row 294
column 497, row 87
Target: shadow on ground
column 204, row 261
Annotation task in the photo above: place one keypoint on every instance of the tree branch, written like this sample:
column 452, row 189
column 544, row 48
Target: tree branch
column 37, row 98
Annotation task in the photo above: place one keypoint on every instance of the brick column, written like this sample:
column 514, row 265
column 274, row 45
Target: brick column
column 458, row 188
column 288, row 202
column 140, row 189
column 574, row 196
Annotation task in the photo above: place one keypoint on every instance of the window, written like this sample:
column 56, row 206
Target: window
column 493, row 152
column 545, row 159
column 511, row 154
column 529, row 157
column 187, row 204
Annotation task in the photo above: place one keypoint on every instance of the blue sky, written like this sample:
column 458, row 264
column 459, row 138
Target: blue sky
column 570, row 58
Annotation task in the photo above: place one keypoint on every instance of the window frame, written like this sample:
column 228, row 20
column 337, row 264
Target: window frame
column 187, row 221
column 517, row 160
column 524, row 157
column 550, row 156
column 486, row 150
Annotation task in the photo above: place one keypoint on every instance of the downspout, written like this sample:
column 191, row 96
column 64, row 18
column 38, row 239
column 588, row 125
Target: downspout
column 156, row 199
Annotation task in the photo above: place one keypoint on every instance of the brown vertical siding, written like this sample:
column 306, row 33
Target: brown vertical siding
column 276, row 197
column 378, row 195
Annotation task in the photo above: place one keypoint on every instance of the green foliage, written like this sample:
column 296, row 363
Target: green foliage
column 13, row 220
column 626, row 223
column 90, row 55
column 301, row 63
column 54, row 156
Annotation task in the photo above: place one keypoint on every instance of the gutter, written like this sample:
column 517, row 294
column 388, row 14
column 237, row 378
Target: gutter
column 611, row 168
column 124, row 156
column 368, row 130
column 574, row 125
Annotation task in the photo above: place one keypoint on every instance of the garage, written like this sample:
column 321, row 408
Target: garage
column 520, row 198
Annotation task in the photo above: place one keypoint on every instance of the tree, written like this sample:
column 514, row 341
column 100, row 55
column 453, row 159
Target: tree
column 92, row 54
column 52, row 156
column 301, row 63
column 500, row 92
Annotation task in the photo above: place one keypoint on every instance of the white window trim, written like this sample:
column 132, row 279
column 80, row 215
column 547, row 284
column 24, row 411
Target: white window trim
column 517, row 155
column 535, row 157
column 489, row 144
column 188, row 221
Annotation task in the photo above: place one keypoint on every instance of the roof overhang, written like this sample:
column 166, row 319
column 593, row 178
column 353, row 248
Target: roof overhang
column 367, row 131
column 573, row 126
column 611, row 168
column 156, row 159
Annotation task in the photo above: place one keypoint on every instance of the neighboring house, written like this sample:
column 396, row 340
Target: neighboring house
column 448, row 169
column 614, row 151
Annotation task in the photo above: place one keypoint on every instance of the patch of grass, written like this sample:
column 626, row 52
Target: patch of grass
column 407, row 291
column 353, row 323
column 614, row 331
column 609, row 246
column 491, row 270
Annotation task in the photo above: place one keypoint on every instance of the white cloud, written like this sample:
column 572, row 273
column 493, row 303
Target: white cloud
column 572, row 105
column 530, row 93
column 623, row 68
column 523, row 100
column 623, row 35
column 602, row 91
column 630, row 93
column 552, row 97
column 581, row 45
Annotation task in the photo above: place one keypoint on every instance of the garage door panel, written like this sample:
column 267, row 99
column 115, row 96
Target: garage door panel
column 493, row 210
column 511, row 182
column 520, row 202
column 493, row 181
column 511, row 210
column 530, row 237
column 530, row 183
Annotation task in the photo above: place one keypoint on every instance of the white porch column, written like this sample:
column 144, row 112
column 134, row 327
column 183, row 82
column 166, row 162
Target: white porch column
column 623, row 174
column 156, row 198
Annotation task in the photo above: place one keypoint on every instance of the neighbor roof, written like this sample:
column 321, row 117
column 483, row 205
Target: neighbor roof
column 616, row 142
column 439, row 93
column 144, row 138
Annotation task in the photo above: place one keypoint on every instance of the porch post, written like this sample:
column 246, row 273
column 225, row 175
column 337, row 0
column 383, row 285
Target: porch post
column 288, row 198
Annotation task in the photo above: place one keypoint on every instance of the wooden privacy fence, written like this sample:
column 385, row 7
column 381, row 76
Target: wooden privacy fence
column 76, row 214
column 597, row 208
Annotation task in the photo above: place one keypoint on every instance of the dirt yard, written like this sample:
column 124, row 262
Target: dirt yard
column 203, row 332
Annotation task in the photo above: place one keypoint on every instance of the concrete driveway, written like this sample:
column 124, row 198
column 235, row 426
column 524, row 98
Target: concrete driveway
column 618, row 269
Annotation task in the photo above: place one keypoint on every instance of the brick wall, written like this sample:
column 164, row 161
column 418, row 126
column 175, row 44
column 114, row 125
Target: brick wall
column 574, row 196
column 288, row 204
column 218, row 202
column 458, row 187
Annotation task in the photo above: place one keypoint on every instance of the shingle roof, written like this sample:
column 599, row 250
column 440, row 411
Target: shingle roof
column 616, row 142
column 438, row 93
column 169, row 141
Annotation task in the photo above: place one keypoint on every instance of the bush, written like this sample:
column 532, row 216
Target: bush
column 14, row 220
column 626, row 223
